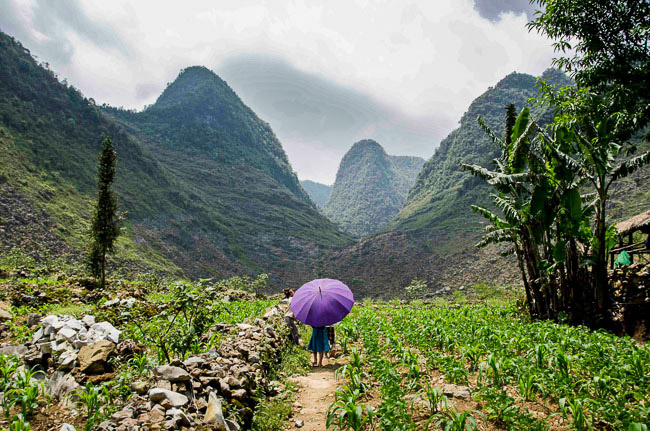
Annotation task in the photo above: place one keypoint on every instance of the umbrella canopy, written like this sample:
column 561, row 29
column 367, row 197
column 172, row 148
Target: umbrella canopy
column 322, row 302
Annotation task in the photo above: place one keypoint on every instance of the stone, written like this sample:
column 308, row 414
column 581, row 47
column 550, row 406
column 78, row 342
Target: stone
column 65, row 334
column 140, row 388
column 232, row 425
column 158, row 395
column 61, row 384
column 66, row 360
column 201, row 404
column 123, row 414
column 5, row 311
column 68, row 427
column 272, row 312
column 46, row 348
column 33, row 319
column 75, row 324
column 107, row 331
column 179, row 417
column 456, row 391
column 5, row 316
column 88, row 320
column 156, row 416
column 194, row 362
column 52, row 321
column 214, row 414
column 173, row 374
column 93, row 358
column 232, row 382
column 224, row 387
column 111, row 302
column 239, row 394
column 18, row 350
column 59, row 348
column 300, row 423
column 166, row 404
column 37, row 335
column 254, row 357
column 244, row 326
column 106, row 426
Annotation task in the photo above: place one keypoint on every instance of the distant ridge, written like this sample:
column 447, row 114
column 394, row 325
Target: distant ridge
column 319, row 193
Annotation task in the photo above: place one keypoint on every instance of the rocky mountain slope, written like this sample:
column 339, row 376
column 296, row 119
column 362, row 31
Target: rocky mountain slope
column 433, row 236
column 207, row 187
column 319, row 193
column 370, row 187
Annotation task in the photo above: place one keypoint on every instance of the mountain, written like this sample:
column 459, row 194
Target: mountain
column 442, row 194
column 433, row 235
column 319, row 193
column 206, row 185
column 370, row 188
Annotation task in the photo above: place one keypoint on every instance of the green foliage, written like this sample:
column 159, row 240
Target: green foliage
column 416, row 288
column 105, row 224
column 22, row 393
column 603, row 44
column 598, row 377
column 185, row 312
column 96, row 402
column 370, row 188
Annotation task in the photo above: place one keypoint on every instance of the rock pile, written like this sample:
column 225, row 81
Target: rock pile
column 63, row 343
column 203, row 390
column 631, row 287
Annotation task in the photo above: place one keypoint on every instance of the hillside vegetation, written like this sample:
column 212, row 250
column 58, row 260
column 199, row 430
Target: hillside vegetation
column 442, row 194
column 206, row 185
column 370, row 187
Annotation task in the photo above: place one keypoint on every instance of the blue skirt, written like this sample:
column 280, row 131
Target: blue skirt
column 319, row 341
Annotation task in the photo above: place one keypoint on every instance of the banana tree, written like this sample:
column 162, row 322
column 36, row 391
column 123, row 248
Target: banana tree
column 590, row 140
column 518, row 195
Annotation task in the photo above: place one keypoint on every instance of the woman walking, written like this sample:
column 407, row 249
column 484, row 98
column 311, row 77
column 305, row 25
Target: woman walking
column 320, row 303
column 319, row 344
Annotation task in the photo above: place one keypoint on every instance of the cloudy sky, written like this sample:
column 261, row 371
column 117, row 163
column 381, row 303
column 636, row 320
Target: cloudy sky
column 323, row 74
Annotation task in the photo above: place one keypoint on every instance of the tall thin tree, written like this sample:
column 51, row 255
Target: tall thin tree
column 105, row 227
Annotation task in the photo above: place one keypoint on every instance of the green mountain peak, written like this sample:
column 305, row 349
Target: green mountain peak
column 370, row 187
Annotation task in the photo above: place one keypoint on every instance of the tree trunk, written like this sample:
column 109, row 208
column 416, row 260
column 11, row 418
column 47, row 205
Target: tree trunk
column 520, row 261
column 599, row 269
column 103, row 271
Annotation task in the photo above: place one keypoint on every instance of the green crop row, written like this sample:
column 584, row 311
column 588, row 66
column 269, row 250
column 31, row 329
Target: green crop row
column 523, row 374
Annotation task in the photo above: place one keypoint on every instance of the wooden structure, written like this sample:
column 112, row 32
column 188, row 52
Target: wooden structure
column 626, row 230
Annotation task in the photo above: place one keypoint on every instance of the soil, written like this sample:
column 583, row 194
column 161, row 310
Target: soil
column 314, row 397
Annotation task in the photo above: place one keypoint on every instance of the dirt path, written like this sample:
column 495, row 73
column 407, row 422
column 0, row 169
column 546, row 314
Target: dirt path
column 314, row 397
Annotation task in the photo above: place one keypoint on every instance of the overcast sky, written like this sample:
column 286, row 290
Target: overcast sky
column 323, row 74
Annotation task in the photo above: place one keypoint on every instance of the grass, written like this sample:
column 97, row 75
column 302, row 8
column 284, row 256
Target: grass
column 272, row 414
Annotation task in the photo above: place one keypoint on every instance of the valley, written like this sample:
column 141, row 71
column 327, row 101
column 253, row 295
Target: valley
column 315, row 237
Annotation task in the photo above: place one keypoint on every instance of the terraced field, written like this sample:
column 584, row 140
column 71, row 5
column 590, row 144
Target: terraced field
column 468, row 367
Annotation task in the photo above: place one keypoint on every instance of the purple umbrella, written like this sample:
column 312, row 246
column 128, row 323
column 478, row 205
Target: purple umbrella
column 322, row 302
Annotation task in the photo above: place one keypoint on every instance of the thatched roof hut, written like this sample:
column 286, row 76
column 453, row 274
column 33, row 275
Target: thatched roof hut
column 638, row 222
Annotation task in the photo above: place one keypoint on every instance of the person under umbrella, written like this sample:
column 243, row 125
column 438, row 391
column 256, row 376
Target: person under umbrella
column 321, row 303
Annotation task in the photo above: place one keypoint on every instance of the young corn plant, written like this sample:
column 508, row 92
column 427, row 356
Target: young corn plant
column 346, row 413
column 89, row 399
column 579, row 418
column 457, row 421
